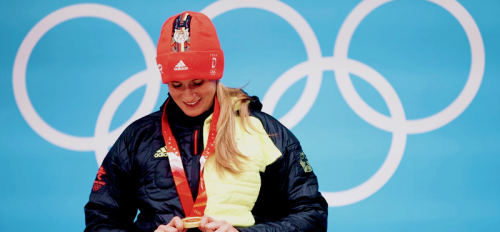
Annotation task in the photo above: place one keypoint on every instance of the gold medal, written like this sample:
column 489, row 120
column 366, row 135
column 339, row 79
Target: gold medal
column 191, row 222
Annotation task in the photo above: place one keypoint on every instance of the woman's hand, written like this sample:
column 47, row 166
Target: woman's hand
column 175, row 225
column 208, row 224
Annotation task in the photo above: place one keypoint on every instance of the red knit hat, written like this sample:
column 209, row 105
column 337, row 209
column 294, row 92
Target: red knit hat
column 188, row 48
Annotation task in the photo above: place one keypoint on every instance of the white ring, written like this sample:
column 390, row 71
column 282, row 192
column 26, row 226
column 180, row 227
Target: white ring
column 35, row 34
column 398, row 143
column 432, row 122
column 313, row 85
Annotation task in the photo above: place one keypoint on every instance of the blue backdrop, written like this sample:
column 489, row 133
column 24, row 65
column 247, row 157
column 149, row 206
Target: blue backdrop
column 396, row 103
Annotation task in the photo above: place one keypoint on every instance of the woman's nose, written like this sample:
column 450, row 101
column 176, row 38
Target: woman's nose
column 190, row 93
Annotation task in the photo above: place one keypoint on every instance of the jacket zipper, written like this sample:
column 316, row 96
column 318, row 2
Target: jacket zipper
column 195, row 149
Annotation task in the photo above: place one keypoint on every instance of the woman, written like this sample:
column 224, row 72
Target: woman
column 208, row 152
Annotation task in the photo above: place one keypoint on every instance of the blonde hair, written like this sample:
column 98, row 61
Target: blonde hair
column 228, row 157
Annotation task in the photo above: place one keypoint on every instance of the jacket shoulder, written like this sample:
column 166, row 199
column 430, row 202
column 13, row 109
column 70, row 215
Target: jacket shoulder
column 136, row 137
column 143, row 124
column 281, row 136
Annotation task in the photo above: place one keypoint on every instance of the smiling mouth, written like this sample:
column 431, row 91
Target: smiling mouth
column 192, row 103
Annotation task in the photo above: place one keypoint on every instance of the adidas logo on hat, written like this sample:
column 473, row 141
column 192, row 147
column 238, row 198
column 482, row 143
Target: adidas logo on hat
column 180, row 66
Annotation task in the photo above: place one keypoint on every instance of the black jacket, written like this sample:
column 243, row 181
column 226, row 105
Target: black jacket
column 131, row 178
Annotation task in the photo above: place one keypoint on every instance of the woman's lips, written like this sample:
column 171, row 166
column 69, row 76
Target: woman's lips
column 192, row 104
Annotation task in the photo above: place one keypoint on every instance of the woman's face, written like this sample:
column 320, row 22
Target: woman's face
column 193, row 96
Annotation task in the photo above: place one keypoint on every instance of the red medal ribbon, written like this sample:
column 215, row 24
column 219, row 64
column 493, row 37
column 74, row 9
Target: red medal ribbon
column 191, row 208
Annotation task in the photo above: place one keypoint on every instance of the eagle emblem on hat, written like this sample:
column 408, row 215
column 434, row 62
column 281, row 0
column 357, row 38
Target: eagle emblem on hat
column 181, row 36
column 180, row 39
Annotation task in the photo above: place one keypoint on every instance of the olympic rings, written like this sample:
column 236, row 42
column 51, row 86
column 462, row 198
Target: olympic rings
column 102, row 140
column 312, row 68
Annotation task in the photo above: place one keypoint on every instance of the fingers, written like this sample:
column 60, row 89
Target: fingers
column 204, row 221
column 176, row 223
column 211, row 227
column 225, row 227
column 219, row 226
column 166, row 228
column 208, row 224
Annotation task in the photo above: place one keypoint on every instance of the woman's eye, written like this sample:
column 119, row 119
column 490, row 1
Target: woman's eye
column 176, row 86
column 198, row 83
